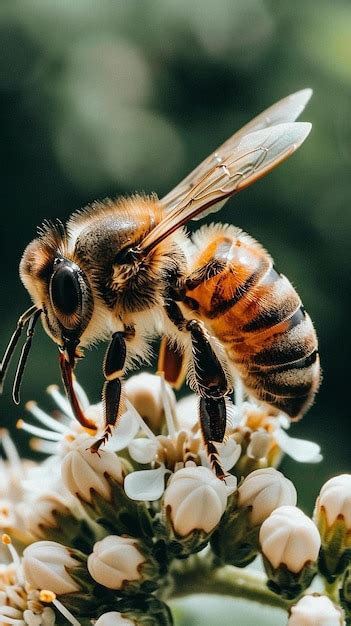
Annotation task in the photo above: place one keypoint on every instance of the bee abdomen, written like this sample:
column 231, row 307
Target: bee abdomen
column 283, row 369
column 258, row 316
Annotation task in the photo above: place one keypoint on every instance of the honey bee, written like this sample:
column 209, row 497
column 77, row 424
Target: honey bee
column 127, row 271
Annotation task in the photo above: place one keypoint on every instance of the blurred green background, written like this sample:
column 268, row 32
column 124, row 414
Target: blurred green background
column 100, row 98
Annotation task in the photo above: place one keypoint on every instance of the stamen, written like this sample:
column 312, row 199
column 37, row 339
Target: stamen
column 39, row 445
column 50, row 596
column 6, row 540
column 17, row 599
column 9, row 620
column 45, row 419
column 38, row 432
column 11, row 451
column 60, row 400
column 140, row 420
column 167, row 407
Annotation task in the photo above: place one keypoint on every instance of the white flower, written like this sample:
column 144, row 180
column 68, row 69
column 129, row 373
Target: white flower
column 45, row 566
column 113, row 618
column 265, row 490
column 42, row 514
column 250, row 417
column 171, row 453
column 57, row 434
column 195, row 500
column 314, row 610
column 145, row 393
column 335, row 500
column 83, row 471
column 289, row 537
column 114, row 561
column 18, row 604
column 21, row 481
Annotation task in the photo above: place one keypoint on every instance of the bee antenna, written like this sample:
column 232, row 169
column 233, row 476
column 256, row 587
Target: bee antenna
column 24, row 355
column 13, row 342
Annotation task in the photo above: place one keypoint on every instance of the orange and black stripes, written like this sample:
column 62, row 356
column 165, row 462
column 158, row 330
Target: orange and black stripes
column 258, row 316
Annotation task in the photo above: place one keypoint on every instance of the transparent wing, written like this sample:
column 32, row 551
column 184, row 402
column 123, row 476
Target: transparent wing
column 254, row 156
column 286, row 110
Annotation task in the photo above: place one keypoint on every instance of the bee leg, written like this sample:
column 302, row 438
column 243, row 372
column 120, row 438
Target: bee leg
column 111, row 396
column 211, row 383
column 213, row 420
column 172, row 363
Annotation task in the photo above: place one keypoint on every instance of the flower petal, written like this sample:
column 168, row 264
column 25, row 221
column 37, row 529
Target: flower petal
column 125, row 432
column 231, row 483
column 229, row 453
column 300, row 450
column 142, row 450
column 146, row 485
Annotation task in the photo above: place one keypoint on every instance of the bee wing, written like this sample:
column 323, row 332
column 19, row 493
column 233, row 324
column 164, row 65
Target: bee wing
column 286, row 110
column 253, row 157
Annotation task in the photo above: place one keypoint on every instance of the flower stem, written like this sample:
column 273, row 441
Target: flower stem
column 228, row 580
column 332, row 590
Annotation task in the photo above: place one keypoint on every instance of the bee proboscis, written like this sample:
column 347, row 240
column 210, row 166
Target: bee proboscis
column 125, row 270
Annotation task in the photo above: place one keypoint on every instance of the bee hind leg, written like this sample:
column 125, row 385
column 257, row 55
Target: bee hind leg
column 210, row 382
column 112, row 391
column 213, row 386
column 213, row 420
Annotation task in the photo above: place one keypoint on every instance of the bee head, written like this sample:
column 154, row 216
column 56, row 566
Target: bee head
column 58, row 286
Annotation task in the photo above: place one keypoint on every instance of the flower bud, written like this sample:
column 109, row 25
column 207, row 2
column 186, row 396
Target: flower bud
column 345, row 594
column 263, row 491
column 289, row 537
column 144, row 392
column 290, row 543
column 333, row 517
column 44, row 513
column 315, row 610
column 113, row 618
column 195, row 499
column 45, row 565
column 146, row 610
column 83, row 471
column 335, row 499
column 117, row 561
column 259, row 446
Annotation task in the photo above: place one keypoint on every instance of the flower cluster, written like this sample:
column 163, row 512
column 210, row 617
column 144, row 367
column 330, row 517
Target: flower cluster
column 107, row 539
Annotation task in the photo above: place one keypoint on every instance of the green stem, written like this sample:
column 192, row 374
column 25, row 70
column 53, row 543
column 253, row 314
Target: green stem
column 332, row 590
column 200, row 577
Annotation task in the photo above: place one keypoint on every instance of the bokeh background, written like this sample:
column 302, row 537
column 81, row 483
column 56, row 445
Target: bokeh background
column 105, row 97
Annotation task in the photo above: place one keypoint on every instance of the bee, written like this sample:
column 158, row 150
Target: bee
column 126, row 271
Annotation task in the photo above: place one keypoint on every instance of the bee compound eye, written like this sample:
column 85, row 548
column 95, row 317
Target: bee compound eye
column 65, row 291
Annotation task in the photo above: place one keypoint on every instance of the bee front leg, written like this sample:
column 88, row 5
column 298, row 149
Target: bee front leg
column 111, row 396
column 210, row 382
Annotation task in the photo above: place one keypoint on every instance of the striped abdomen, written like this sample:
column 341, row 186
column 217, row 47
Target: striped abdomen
column 258, row 316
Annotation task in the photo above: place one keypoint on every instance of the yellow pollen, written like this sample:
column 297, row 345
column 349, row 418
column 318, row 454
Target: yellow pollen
column 52, row 388
column 4, row 511
column 19, row 423
column 69, row 438
column 30, row 404
column 47, row 596
column 6, row 539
